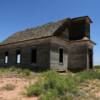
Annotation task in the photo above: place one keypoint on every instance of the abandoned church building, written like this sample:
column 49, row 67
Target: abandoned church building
column 61, row 45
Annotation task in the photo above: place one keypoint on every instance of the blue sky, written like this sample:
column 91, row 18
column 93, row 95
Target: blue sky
column 16, row 15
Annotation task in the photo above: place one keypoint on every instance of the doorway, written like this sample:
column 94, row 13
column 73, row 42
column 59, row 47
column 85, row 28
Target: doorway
column 90, row 58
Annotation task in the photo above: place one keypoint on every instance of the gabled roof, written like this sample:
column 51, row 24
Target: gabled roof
column 43, row 31
column 33, row 33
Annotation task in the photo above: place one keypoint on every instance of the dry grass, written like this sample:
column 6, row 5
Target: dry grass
column 8, row 87
column 12, row 87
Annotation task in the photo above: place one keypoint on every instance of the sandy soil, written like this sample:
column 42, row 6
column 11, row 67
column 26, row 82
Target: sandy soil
column 17, row 93
column 92, row 88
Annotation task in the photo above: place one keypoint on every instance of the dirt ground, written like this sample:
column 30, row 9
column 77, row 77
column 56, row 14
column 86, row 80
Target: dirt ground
column 18, row 92
column 90, row 88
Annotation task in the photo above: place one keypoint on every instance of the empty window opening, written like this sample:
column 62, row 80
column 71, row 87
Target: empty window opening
column 18, row 57
column 61, row 55
column 6, row 58
column 34, row 56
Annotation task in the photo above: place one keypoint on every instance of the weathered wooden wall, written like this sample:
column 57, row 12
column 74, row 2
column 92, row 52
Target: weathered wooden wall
column 77, row 58
column 74, row 54
column 43, row 54
column 56, row 44
column 79, row 29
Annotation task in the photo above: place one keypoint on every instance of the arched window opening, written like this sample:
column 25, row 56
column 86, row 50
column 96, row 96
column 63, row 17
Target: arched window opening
column 18, row 57
column 6, row 58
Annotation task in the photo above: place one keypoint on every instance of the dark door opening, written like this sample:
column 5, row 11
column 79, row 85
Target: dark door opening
column 60, row 55
column 90, row 53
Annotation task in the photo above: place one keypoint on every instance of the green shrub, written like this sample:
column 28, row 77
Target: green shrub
column 52, row 86
column 12, row 69
column 60, row 82
column 34, row 90
column 26, row 72
column 97, row 66
column 68, row 96
column 49, row 95
column 19, row 71
column 87, row 75
column 4, row 70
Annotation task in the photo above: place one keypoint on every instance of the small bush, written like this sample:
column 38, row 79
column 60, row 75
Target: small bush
column 15, row 70
column 49, row 95
column 9, row 87
column 12, row 69
column 62, row 83
column 26, row 72
column 87, row 75
column 34, row 90
column 3, row 70
column 52, row 86
column 97, row 66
